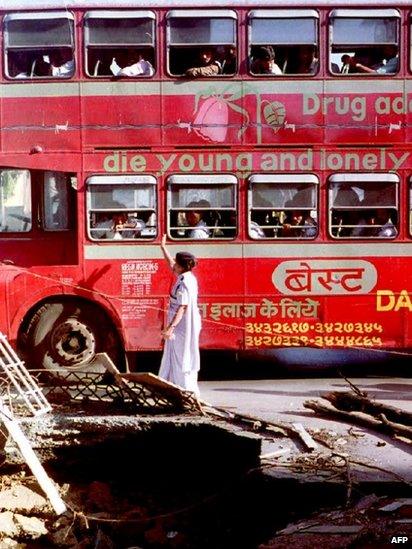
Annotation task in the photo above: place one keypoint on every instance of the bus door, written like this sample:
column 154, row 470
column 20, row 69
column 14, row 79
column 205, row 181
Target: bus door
column 37, row 217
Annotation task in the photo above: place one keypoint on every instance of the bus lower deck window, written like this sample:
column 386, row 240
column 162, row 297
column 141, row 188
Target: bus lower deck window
column 121, row 208
column 202, row 207
column 283, row 206
column 363, row 206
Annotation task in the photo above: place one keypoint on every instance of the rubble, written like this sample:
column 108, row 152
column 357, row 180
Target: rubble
column 361, row 410
column 109, row 463
column 20, row 498
column 359, row 525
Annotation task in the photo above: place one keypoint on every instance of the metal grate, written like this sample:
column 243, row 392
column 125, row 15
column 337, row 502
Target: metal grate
column 97, row 387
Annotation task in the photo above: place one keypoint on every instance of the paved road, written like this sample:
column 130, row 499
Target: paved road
column 282, row 400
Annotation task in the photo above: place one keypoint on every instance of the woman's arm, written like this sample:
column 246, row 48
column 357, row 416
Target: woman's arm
column 167, row 333
column 168, row 257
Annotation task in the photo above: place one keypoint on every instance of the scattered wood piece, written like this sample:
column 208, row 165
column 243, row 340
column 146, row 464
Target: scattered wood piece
column 351, row 402
column 354, row 387
column 277, row 453
column 258, row 424
column 305, row 437
column 360, row 418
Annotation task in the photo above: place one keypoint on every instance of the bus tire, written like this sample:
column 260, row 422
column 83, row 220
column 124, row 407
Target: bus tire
column 65, row 337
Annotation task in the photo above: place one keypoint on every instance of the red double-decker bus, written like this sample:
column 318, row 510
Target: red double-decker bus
column 271, row 139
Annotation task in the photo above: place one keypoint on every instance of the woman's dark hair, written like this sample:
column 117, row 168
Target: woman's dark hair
column 186, row 260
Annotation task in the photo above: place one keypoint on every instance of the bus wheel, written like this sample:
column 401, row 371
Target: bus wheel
column 65, row 337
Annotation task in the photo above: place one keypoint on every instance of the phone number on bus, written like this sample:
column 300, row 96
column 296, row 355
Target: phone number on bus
column 316, row 328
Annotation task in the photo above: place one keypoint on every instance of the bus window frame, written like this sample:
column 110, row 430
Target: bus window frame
column 361, row 178
column 32, row 205
column 116, row 14
column 201, row 14
column 347, row 13
column 38, row 16
column 278, row 14
column 283, row 179
column 121, row 181
column 70, row 182
column 201, row 180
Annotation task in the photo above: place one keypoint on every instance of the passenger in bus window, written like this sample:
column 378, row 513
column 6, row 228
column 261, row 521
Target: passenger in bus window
column 264, row 61
column 19, row 65
column 61, row 62
column 195, row 219
column 143, row 223
column 41, row 67
column 255, row 231
column 346, row 64
column 136, row 65
column 229, row 61
column 209, row 65
column 376, row 223
column 307, row 61
column 117, row 226
column 299, row 224
column 388, row 65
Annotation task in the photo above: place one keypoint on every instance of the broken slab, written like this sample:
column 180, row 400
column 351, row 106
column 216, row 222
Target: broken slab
column 113, row 445
column 7, row 525
column 20, row 498
column 32, row 527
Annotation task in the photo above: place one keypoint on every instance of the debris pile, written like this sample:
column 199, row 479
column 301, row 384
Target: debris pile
column 357, row 408
column 372, row 522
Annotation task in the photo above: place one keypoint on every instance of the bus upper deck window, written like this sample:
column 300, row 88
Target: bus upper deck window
column 201, row 44
column 39, row 45
column 283, row 206
column 15, row 201
column 282, row 42
column 121, row 207
column 364, row 42
column 363, row 205
column 120, row 43
column 202, row 207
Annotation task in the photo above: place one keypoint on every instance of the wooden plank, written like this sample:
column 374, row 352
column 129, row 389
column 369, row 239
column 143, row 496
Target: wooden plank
column 277, row 453
column 305, row 437
column 31, row 459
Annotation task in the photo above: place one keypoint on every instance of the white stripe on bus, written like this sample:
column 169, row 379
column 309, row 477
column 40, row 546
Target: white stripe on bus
column 250, row 251
column 184, row 87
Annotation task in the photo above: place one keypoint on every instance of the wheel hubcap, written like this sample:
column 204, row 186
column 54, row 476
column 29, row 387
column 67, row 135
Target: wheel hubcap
column 73, row 342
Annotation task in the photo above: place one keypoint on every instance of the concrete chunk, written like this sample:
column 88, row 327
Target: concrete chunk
column 30, row 526
column 7, row 525
column 21, row 498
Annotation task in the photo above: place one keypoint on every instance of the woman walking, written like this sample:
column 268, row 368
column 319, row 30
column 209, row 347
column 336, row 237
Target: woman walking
column 181, row 358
